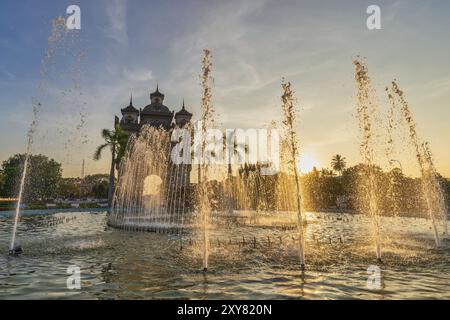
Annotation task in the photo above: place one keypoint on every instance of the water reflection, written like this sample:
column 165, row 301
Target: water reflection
column 249, row 262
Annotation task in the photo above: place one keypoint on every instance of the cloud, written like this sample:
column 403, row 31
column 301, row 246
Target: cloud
column 137, row 74
column 116, row 11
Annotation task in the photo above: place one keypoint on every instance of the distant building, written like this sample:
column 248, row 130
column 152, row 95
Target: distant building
column 155, row 114
column 158, row 115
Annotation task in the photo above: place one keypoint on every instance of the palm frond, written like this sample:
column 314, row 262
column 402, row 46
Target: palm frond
column 107, row 135
column 98, row 152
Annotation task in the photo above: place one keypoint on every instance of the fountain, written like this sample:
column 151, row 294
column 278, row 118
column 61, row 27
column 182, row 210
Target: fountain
column 432, row 190
column 366, row 112
column 154, row 193
column 293, row 154
column 152, row 189
column 394, row 165
column 142, row 199
column 59, row 31
column 235, row 211
column 13, row 249
column 207, row 121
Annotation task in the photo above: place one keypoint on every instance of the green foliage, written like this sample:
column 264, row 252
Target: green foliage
column 323, row 190
column 116, row 140
column 99, row 189
column 44, row 176
column 70, row 188
column 92, row 186
column 338, row 163
column 2, row 182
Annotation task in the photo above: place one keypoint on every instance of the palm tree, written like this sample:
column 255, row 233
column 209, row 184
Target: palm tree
column 338, row 163
column 327, row 173
column 116, row 140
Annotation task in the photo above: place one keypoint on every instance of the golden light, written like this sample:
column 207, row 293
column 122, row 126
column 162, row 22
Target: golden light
column 307, row 163
column 152, row 185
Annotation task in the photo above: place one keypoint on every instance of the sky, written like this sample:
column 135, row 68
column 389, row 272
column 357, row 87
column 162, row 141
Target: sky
column 130, row 46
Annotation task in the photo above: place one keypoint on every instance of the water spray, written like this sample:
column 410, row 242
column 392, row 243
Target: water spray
column 13, row 249
column 58, row 33
column 431, row 189
column 293, row 154
column 367, row 110
column 207, row 121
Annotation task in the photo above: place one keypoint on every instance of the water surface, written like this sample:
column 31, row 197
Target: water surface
column 256, row 260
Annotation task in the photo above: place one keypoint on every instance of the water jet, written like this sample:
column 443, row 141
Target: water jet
column 16, row 250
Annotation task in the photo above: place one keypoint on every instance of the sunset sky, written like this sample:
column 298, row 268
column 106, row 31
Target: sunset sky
column 132, row 45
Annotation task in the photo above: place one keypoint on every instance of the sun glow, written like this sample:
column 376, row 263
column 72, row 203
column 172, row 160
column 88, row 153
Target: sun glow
column 152, row 185
column 307, row 163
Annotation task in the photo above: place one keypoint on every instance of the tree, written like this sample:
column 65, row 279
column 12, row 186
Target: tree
column 95, row 185
column 70, row 188
column 327, row 173
column 100, row 190
column 338, row 163
column 2, row 182
column 41, row 183
column 116, row 140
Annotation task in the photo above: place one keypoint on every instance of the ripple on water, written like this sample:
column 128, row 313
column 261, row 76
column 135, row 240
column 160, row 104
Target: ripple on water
column 246, row 262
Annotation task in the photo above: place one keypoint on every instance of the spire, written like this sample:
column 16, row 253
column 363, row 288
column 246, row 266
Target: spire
column 157, row 93
column 130, row 108
column 183, row 111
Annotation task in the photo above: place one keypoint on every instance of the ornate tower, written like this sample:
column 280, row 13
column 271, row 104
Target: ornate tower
column 130, row 118
column 183, row 117
column 156, row 113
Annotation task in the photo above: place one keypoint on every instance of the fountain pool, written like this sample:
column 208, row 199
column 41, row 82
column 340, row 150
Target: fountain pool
column 255, row 261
